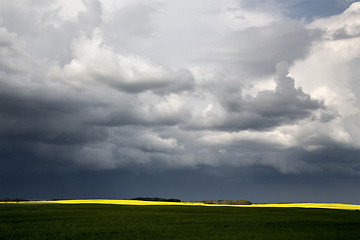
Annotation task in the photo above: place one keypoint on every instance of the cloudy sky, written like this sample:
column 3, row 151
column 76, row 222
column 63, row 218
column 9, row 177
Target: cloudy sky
column 200, row 99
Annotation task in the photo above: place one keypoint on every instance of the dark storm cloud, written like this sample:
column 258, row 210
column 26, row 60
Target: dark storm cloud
column 173, row 103
column 32, row 119
column 268, row 109
column 52, row 123
column 258, row 184
column 48, row 124
column 40, row 130
column 102, row 128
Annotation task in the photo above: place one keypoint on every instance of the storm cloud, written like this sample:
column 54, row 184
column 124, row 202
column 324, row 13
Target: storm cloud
column 156, row 87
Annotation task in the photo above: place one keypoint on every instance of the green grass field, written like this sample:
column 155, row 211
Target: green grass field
column 101, row 221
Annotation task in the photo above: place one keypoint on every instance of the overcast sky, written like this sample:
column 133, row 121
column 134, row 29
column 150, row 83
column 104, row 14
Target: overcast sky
column 200, row 99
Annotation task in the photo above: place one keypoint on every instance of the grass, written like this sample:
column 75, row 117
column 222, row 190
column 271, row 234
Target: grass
column 109, row 221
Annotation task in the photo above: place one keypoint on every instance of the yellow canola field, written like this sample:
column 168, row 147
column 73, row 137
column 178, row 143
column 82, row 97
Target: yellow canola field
column 137, row 202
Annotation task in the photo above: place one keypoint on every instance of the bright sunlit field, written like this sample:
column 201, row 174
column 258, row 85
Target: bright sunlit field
column 137, row 202
column 130, row 219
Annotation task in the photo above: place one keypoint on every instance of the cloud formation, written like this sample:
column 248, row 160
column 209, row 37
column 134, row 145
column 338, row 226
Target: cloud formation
column 131, row 73
column 284, row 105
column 127, row 85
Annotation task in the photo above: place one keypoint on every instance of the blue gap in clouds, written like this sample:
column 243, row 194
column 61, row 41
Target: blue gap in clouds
column 312, row 9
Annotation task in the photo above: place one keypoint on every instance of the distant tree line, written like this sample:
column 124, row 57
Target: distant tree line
column 226, row 202
column 24, row 199
column 16, row 200
column 157, row 199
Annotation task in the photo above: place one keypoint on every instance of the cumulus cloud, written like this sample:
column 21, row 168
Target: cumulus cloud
column 345, row 25
column 253, row 52
column 133, row 20
column 13, row 60
column 115, row 84
column 131, row 73
column 284, row 105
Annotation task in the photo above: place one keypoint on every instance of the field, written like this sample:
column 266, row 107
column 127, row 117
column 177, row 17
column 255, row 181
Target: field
column 110, row 221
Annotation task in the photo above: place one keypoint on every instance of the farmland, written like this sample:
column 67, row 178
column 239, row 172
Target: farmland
column 112, row 221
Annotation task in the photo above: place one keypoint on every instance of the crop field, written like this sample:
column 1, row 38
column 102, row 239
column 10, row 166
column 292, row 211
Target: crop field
column 114, row 221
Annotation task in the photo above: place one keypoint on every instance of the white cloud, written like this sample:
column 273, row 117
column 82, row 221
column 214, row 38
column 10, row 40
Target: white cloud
column 98, row 62
column 345, row 25
column 268, row 109
column 275, row 138
column 329, row 73
column 69, row 9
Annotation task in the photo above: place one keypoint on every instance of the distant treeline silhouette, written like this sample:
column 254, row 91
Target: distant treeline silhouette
column 157, row 199
column 226, row 202
column 24, row 199
column 16, row 200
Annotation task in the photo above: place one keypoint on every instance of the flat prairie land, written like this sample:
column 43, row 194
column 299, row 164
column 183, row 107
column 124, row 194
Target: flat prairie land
column 114, row 221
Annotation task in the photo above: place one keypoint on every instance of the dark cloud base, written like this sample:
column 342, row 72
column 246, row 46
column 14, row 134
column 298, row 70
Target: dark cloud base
column 257, row 184
column 91, row 107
